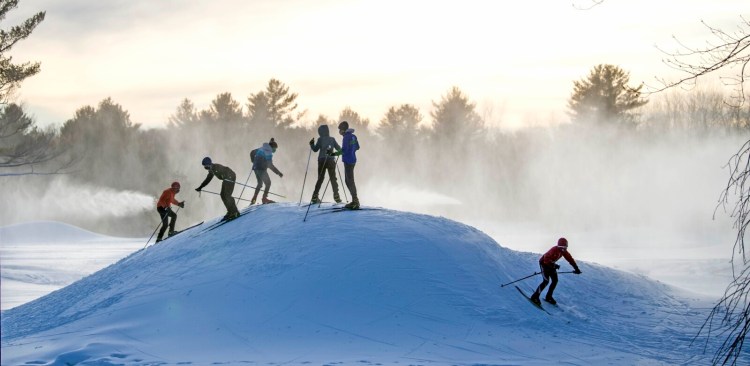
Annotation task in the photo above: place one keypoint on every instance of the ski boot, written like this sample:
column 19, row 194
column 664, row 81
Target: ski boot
column 353, row 205
column 535, row 298
column 231, row 216
column 315, row 199
column 266, row 201
column 550, row 300
column 252, row 201
column 336, row 197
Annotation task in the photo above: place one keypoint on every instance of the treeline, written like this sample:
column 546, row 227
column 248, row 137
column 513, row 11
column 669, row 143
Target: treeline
column 452, row 152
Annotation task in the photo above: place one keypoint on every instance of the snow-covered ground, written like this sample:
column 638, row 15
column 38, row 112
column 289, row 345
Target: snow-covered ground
column 365, row 287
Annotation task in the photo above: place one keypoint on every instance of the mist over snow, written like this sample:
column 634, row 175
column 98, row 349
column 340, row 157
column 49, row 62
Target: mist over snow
column 372, row 286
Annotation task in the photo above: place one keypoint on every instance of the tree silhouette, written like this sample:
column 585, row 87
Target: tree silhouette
column 604, row 96
column 11, row 75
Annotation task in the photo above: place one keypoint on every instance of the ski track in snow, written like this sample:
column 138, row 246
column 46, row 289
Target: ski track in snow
column 353, row 287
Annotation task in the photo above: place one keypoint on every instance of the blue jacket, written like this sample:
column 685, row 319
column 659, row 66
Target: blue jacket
column 349, row 147
column 264, row 159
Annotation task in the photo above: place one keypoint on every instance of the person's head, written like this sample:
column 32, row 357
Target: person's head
column 562, row 243
column 273, row 144
column 343, row 126
column 207, row 163
column 176, row 187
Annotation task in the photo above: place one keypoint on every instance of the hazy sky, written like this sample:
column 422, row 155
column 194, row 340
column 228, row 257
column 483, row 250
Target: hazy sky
column 517, row 60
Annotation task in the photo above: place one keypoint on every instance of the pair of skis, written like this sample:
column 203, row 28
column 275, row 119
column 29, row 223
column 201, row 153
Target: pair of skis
column 538, row 306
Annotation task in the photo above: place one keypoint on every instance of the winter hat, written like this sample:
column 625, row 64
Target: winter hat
column 273, row 143
column 176, row 185
column 206, row 161
column 562, row 242
column 344, row 125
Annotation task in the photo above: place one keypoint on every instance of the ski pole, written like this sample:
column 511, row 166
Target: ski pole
column 305, row 180
column 243, row 187
column 335, row 162
column 249, row 186
column 157, row 226
column 342, row 184
column 238, row 198
column 520, row 279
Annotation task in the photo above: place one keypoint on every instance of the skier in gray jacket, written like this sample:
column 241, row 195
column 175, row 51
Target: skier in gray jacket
column 325, row 146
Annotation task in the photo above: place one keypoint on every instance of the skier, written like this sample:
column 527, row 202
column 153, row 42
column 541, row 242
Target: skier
column 262, row 161
column 326, row 145
column 227, row 186
column 164, row 208
column 549, row 270
column 349, row 147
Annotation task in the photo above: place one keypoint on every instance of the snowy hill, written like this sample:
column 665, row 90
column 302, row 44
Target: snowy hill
column 371, row 286
column 44, row 232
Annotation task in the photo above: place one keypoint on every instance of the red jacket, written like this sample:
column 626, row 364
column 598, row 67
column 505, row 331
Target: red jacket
column 167, row 199
column 554, row 254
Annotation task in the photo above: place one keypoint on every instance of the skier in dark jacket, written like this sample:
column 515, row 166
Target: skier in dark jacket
column 349, row 147
column 549, row 270
column 227, row 186
column 325, row 147
column 164, row 208
column 262, row 162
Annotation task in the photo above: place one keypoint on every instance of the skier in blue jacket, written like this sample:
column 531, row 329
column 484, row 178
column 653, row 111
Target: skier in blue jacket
column 349, row 147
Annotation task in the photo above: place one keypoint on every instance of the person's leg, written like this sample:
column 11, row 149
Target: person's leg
column 267, row 181
column 163, row 216
column 259, row 182
column 553, row 283
column 540, row 288
column 227, row 187
column 321, row 177
column 349, row 178
column 173, row 216
column 331, row 168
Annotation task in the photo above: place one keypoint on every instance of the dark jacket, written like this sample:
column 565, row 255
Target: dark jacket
column 220, row 172
column 325, row 142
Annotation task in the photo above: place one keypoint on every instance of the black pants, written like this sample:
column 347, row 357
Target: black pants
column 263, row 179
column 166, row 214
column 329, row 165
column 549, row 275
column 349, row 179
column 227, row 187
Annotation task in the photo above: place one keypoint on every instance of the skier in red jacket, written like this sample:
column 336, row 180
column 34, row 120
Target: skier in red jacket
column 549, row 270
column 164, row 207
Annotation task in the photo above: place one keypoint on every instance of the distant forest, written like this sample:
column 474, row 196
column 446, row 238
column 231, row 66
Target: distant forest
column 448, row 150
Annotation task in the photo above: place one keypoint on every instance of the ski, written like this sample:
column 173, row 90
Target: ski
column 184, row 230
column 533, row 303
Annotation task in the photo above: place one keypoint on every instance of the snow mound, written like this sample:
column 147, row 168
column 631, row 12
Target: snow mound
column 45, row 232
column 351, row 287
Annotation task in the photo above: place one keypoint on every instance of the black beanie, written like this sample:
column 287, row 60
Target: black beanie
column 273, row 143
column 344, row 125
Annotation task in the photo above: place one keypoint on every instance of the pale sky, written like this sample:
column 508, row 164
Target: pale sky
column 517, row 60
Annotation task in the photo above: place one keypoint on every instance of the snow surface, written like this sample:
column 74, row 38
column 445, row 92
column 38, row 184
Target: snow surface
column 39, row 257
column 364, row 287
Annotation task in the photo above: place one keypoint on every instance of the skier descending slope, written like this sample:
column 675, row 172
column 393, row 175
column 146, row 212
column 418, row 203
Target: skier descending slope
column 262, row 161
column 324, row 147
column 227, row 186
column 549, row 270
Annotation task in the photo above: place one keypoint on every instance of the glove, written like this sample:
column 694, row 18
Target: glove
column 198, row 189
column 181, row 204
column 312, row 141
column 557, row 266
column 281, row 175
column 577, row 271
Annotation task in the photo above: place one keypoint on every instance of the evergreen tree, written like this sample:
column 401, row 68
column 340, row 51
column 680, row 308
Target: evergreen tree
column 11, row 75
column 605, row 97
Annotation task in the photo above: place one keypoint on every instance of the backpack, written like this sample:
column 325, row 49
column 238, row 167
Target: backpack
column 252, row 155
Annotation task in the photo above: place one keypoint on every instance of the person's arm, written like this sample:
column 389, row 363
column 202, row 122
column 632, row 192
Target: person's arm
column 207, row 180
column 315, row 146
column 273, row 168
column 572, row 261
